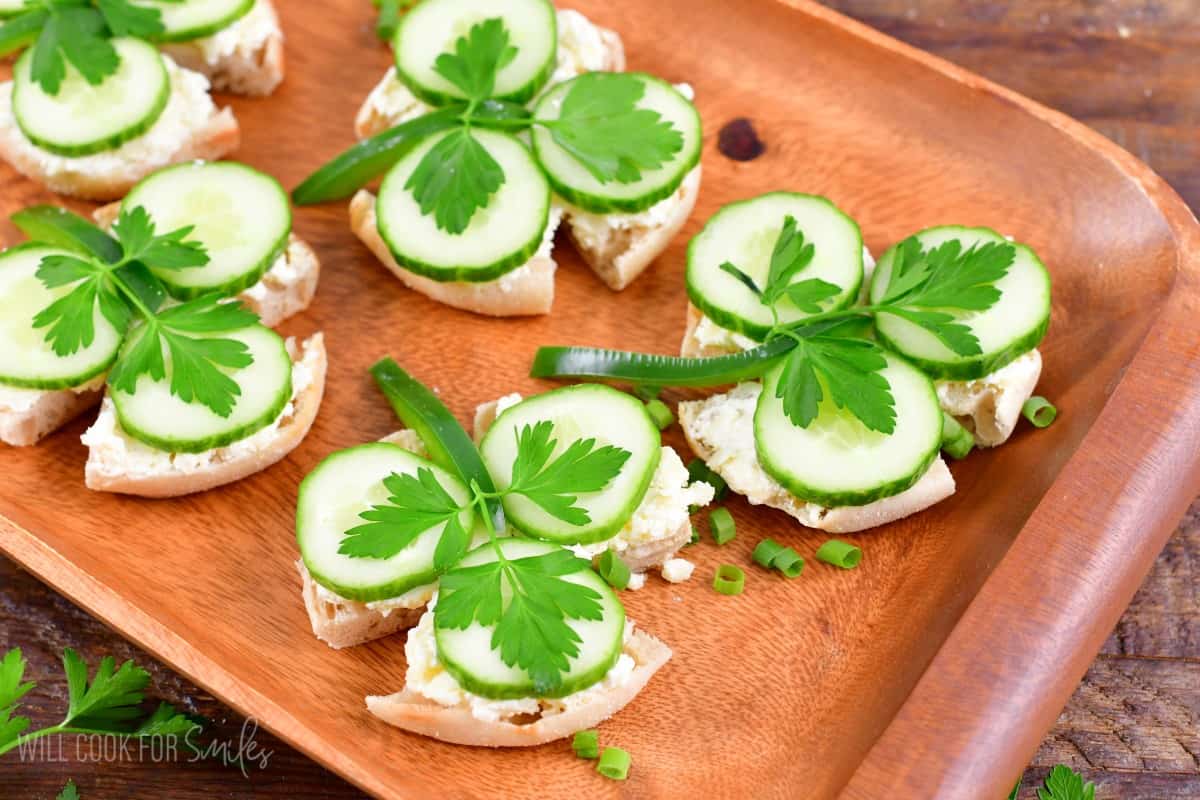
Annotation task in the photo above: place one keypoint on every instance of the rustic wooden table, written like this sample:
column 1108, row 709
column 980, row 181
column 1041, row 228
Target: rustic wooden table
column 1131, row 70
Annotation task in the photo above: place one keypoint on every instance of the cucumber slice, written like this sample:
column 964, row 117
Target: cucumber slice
column 468, row 655
column 433, row 27
column 241, row 216
column 160, row 419
column 333, row 495
column 500, row 238
column 83, row 119
column 26, row 358
column 194, row 19
column 1013, row 326
column 578, row 412
column 574, row 183
column 837, row 461
column 744, row 234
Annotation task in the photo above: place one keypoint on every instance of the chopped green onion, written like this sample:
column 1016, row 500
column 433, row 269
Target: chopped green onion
column 840, row 554
column 722, row 525
column 614, row 764
column 699, row 471
column 957, row 441
column 1039, row 411
column 660, row 412
column 765, row 552
column 729, row 579
column 788, row 562
column 586, row 744
column 695, row 537
column 613, row 570
column 646, row 392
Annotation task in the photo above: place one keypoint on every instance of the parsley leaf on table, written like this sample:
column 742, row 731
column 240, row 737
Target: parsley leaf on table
column 848, row 370
column 196, row 360
column 456, row 178
column 69, row 792
column 1064, row 783
column 555, row 486
column 477, row 58
column 415, row 504
column 12, row 689
column 602, row 127
column 530, row 619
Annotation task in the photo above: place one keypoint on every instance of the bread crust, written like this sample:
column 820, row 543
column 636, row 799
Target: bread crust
column 346, row 623
column 253, row 74
column 49, row 411
column 412, row 712
column 691, row 347
column 289, row 435
column 528, row 293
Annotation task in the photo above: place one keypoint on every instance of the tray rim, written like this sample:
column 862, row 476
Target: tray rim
column 944, row 766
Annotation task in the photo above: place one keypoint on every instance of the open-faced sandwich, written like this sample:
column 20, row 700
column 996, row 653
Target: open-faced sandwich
column 481, row 546
column 843, row 398
column 491, row 138
column 162, row 312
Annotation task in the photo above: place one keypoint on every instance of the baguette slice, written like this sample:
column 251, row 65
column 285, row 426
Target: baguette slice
column 455, row 724
column 108, row 470
column 245, row 58
column 27, row 415
column 190, row 127
column 525, row 291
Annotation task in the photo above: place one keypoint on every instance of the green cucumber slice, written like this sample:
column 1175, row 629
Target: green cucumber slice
column 194, row 19
column 745, row 233
column 467, row 654
column 500, row 238
column 83, row 119
column 578, row 412
column 1010, row 328
column 241, row 216
column 26, row 358
column 160, row 419
column 571, row 179
column 331, row 498
column 837, row 461
column 434, row 26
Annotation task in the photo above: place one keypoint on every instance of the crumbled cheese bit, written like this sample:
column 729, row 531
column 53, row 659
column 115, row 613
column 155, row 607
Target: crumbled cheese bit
column 637, row 580
column 677, row 570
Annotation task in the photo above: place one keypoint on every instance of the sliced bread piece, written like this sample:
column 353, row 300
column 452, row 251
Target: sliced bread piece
column 527, row 290
column 26, row 415
column 519, row 723
column 244, row 58
column 720, row 430
column 118, row 463
column 989, row 407
column 190, row 127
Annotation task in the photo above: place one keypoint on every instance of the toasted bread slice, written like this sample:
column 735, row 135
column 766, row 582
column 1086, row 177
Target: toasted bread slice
column 412, row 712
column 245, row 58
column 190, row 127
column 989, row 407
column 150, row 473
column 525, row 291
column 750, row 480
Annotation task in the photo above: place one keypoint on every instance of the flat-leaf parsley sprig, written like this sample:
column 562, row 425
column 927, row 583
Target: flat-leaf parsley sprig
column 161, row 340
column 600, row 125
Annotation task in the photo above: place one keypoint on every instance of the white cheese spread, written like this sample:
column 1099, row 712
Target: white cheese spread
column 243, row 39
column 990, row 406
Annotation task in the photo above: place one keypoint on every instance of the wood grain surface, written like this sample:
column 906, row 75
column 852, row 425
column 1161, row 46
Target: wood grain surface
column 877, row 186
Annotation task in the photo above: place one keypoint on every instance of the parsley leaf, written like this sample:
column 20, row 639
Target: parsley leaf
column 530, row 618
column 808, row 295
column 196, row 360
column 78, row 35
column 71, row 318
column 69, row 792
column 1063, row 783
column 477, row 58
column 602, row 127
column 125, row 19
column 789, row 257
column 135, row 230
column 555, row 486
column 415, row 504
column 845, row 369
column 456, row 178
column 12, row 689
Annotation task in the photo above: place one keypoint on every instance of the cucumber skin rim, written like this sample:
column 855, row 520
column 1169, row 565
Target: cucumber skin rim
column 219, row 440
column 569, row 685
column 969, row 368
column 522, row 94
column 861, row 497
column 113, row 141
column 597, row 532
column 359, row 594
column 55, row 384
column 201, row 31
column 483, row 274
column 596, row 204
column 730, row 320
column 246, row 279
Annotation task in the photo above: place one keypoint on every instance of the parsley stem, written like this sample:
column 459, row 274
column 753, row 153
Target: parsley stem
column 479, row 498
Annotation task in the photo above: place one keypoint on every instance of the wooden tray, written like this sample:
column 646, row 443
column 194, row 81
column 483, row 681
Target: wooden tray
column 935, row 667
